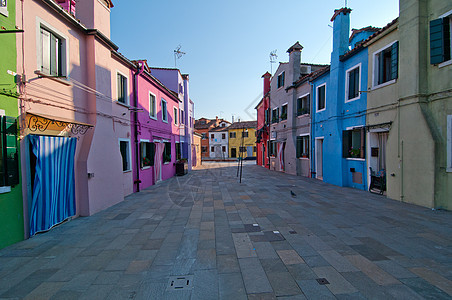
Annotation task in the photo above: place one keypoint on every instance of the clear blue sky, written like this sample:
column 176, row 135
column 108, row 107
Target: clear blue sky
column 227, row 43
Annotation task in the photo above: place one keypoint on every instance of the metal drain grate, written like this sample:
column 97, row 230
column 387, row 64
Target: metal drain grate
column 322, row 281
column 177, row 283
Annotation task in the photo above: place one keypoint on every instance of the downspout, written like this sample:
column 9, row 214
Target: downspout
column 311, row 108
column 135, row 116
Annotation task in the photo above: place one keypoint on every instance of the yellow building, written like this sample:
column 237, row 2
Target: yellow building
column 247, row 144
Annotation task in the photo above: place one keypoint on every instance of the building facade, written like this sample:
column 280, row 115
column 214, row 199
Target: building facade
column 263, row 122
column 11, row 201
column 242, row 139
column 218, row 142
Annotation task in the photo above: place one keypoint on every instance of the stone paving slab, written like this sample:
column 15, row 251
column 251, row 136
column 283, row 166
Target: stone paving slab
column 203, row 225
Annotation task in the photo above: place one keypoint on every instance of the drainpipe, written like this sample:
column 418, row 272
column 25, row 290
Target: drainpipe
column 311, row 137
column 135, row 126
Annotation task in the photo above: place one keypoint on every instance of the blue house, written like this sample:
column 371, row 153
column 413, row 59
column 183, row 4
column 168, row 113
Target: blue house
column 339, row 108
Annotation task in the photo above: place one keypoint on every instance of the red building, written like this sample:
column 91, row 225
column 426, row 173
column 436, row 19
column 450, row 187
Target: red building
column 263, row 121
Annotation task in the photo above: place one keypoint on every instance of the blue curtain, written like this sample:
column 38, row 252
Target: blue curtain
column 53, row 198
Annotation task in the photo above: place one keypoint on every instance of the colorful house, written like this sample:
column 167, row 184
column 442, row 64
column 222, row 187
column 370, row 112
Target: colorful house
column 202, row 127
column 242, row 139
column 155, row 129
column 196, row 150
column 263, row 122
column 339, row 118
column 218, row 142
column 11, row 203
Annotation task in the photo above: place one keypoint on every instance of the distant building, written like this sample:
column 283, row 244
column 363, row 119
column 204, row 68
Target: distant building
column 202, row 127
column 218, row 142
column 242, row 139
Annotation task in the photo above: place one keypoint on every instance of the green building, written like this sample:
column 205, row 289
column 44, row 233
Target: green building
column 11, row 203
column 424, row 114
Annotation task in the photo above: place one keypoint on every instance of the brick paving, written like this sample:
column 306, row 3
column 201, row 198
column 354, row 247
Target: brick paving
column 205, row 236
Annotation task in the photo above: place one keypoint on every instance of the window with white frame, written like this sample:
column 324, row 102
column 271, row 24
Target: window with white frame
column 178, row 151
column 167, row 152
column 303, row 146
column 182, row 118
column 147, row 154
column 284, row 112
column 124, row 148
column 4, row 8
column 121, row 87
column 352, row 83
column 275, row 115
column 164, row 111
column 449, row 143
column 223, row 136
column 303, row 106
column 152, row 106
column 281, row 80
column 441, row 39
column 175, row 116
column 321, row 97
column 51, row 53
column 232, row 135
column 386, row 64
column 354, row 143
column 9, row 160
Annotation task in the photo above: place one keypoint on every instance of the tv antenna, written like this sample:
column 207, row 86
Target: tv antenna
column 177, row 55
column 273, row 58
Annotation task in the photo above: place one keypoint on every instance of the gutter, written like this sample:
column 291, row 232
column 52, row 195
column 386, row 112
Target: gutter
column 135, row 126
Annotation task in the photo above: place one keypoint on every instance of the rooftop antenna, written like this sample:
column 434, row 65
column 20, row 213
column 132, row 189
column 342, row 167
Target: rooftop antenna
column 345, row 3
column 273, row 58
column 177, row 55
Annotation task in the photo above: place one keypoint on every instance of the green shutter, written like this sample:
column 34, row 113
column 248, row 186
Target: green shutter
column 351, row 84
column 439, row 40
column 395, row 60
column 381, row 64
column 346, row 143
column 10, row 157
column 299, row 146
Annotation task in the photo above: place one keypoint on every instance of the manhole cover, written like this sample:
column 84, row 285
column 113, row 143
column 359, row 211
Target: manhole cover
column 177, row 283
column 322, row 281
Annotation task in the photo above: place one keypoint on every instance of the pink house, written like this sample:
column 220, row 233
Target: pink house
column 156, row 130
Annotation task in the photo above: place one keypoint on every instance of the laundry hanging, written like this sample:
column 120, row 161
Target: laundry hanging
column 53, row 198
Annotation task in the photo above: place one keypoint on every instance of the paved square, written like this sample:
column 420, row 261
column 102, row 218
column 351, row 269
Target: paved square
column 239, row 241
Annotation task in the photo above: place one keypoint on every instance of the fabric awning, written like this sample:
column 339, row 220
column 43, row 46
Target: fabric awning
column 41, row 122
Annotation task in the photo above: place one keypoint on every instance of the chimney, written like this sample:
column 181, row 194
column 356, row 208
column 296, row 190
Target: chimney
column 341, row 29
column 68, row 5
column 216, row 121
column 266, row 77
column 294, row 61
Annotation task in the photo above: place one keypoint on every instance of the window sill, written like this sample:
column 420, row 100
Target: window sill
column 127, row 171
column 356, row 159
column 303, row 158
column 4, row 11
column 5, row 189
column 165, row 121
column 153, row 118
column 449, row 170
column 353, row 99
column 166, row 163
column 376, row 87
column 60, row 79
column 444, row 64
column 145, row 168
column 323, row 109
column 122, row 104
column 303, row 115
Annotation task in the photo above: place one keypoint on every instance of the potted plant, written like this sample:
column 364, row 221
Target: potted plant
column 355, row 153
column 181, row 167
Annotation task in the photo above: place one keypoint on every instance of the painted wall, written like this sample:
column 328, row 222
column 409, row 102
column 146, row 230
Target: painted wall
column 218, row 142
column 301, row 127
column 249, row 141
column 154, row 129
column 262, row 155
column 196, row 151
column 11, row 206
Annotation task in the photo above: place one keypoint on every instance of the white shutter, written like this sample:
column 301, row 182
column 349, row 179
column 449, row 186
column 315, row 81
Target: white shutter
column 45, row 46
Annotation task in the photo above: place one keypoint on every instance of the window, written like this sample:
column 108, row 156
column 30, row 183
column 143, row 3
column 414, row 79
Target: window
column 152, row 107
column 167, row 152
column 245, row 134
column 203, row 136
column 266, row 118
column 232, row 135
column 124, row 148
column 122, row 88
column 386, row 64
column 352, row 83
column 223, row 136
column 303, row 105
column 164, row 111
column 275, row 115
column 223, row 148
column 321, row 100
column 281, row 80
column 212, row 149
column 51, row 53
column 303, row 146
column 449, row 143
column 440, row 39
column 242, row 149
column 182, row 118
column 4, row 8
column 272, row 148
column 9, row 160
column 178, row 151
column 212, row 136
column 284, row 112
column 254, row 149
column 147, row 154
column 175, row 116
column 203, row 149
column 353, row 143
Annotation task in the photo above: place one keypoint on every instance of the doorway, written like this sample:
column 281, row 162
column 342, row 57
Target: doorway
column 319, row 158
column 233, row 152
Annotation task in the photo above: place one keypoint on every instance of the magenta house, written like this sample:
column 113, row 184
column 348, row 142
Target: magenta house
column 155, row 129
